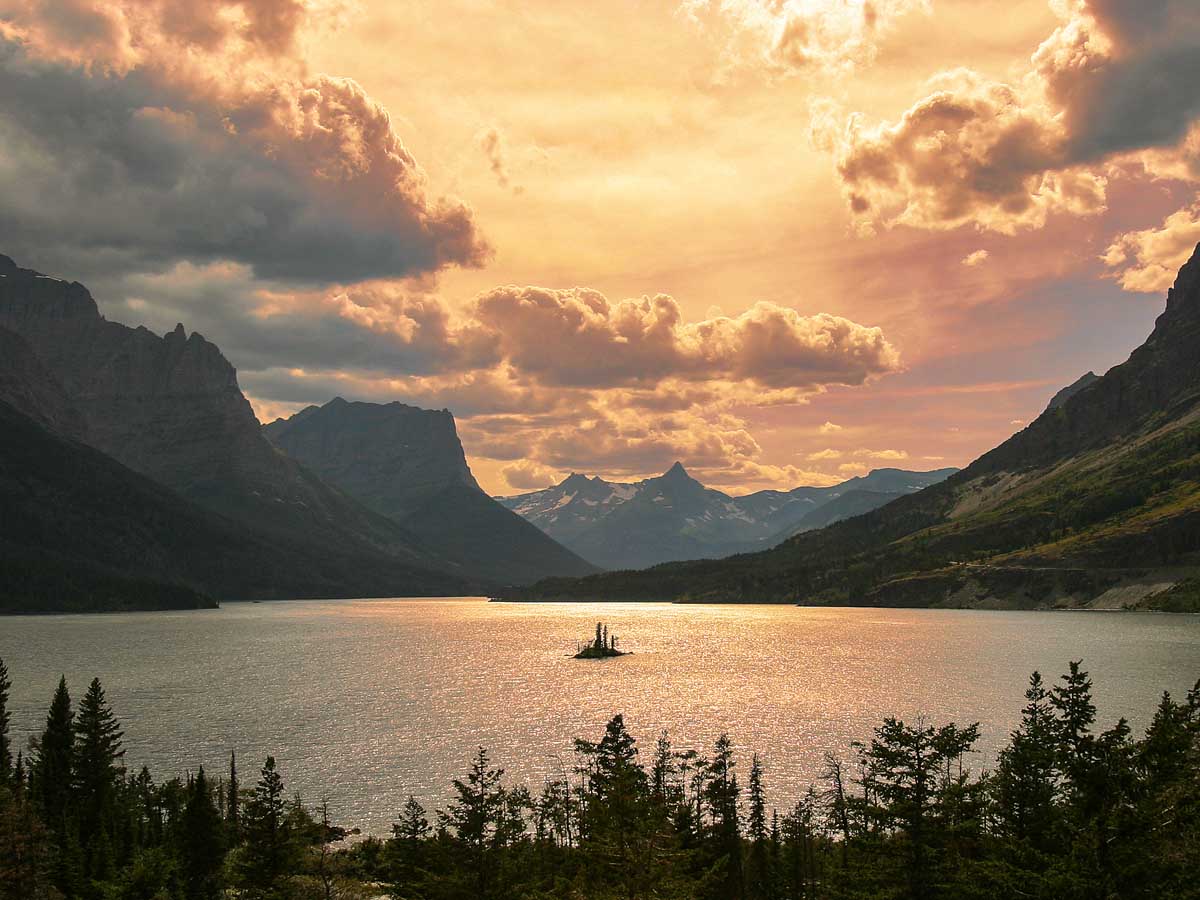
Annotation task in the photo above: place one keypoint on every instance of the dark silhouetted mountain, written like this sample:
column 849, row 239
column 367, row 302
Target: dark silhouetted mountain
column 170, row 408
column 80, row 532
column 674, row 517
column 408, row 464
column 1096, row 502
column 28, row 386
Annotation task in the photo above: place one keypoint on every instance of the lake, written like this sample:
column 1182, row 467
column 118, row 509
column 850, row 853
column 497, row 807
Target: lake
column 367, row 701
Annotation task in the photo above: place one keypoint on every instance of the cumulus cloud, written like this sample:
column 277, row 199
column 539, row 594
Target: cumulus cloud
column 1148, row 261
column 516, row 345
column 802, row 35
column 139, row 135
column 1113, row 79
column 828, row 453
column 977, row 258
column 829, row 428
column 527, row 475
column 577, row 337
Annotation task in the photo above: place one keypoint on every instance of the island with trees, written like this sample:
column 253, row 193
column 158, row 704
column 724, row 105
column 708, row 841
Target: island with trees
column 602, row 646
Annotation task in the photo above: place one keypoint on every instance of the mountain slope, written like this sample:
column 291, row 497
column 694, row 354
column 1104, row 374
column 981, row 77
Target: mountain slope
column 674, row 517
column 408, row 464
column 1097, row 501
column 170, row 408
column 852, row 503
column 80, row 533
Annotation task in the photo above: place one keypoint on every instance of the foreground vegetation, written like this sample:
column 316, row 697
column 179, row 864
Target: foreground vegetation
column 1069, row 812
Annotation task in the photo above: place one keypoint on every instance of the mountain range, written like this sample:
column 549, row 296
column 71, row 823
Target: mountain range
column 162, row 418
column 675, row 517
column 1094, row 503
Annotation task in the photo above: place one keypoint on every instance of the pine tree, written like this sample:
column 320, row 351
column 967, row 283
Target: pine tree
column 202, row 845
column 412, row 826
column 53, row 767
column 758, row 874
column 722, row 794
column 475, row 819
column 1026, row 780
column 903, row 767
column 233, row 802
column 97, row 769
column 269, row 850
column 6, row 760
column 1072, row 700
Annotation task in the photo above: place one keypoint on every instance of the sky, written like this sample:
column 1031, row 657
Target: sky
column 782, row 241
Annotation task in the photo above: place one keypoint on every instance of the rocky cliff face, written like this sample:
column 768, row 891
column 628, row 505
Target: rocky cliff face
column 408, row 464
column 170, row 408
column 394, row 457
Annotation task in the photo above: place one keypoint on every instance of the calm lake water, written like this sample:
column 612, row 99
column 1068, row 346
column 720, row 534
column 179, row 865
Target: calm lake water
column 367, row 701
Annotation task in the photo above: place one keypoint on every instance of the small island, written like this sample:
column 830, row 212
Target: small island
column 602, row 647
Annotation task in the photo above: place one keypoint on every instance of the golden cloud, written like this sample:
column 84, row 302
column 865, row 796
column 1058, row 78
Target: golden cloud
column 1113, row 80
column 1148, row 261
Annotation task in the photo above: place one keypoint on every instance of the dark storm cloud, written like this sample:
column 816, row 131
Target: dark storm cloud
column 302, row 181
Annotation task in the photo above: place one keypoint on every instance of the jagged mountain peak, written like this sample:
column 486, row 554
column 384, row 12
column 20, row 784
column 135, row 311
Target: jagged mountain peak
column 576, row 481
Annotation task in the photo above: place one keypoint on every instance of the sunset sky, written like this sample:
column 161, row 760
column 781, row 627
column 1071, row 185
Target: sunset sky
column 782, row 241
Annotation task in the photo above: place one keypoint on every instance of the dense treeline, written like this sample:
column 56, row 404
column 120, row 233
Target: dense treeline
column 1068, row 812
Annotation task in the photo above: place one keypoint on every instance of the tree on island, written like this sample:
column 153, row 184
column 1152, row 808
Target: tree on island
column 603, row 645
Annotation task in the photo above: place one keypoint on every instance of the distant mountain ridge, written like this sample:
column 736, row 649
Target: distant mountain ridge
column 408, row 464
column 1096, row 502
column 674, row 517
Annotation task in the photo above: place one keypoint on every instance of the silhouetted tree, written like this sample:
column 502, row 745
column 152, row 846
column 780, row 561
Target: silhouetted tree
column 902, row 766
column 233, row 802
column 1026, row 779
column 96, row 774
column 202, row 842
column 476, row 818
column 268, row 851
column 758, row 862
column 406, row 851
column 6, row 760
column 721, row 795
column 54, row 764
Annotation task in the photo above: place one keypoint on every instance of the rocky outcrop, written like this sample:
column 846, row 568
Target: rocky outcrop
column 1071, row 390
column 408, row 464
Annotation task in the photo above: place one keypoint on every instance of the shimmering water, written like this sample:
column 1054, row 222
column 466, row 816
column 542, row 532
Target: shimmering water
column 366, row 701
